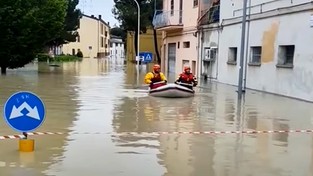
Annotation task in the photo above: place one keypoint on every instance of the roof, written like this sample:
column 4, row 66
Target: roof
column 98, row 19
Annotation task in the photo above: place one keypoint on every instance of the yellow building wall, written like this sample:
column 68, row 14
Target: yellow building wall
column 91, row 32
column 146, row 44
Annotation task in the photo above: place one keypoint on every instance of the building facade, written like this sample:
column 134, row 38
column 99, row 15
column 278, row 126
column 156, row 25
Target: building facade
column 278, row 57
column 117, row 48
column 178, row 23
column 93, row 39
column 146, row 44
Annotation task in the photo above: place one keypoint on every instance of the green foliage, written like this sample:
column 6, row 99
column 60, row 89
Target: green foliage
column 118, row 32
column 26, row 27
column 70, row 26
column 66, row 58
column 43, row 57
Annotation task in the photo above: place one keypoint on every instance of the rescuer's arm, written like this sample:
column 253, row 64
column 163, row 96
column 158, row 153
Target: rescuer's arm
column 163, row 78
column 148, row 78
column 178, row 78
column 195, row 81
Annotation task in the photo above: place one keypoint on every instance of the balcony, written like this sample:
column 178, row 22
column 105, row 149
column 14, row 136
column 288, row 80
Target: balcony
column 210, row 16
column 169, row 21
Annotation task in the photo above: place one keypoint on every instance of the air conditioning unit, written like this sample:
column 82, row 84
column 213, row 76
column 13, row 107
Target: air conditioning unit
column 206, row 54
column 210, row 54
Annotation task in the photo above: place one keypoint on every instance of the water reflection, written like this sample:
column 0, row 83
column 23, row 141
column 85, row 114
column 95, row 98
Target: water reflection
column 94, row 100
column 54, row 89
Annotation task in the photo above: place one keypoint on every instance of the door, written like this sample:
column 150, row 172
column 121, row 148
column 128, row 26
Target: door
column 171, row 57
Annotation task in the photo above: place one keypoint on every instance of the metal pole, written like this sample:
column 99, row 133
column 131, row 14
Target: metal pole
column 247, row 53
column 242, row 47
column 138, row 32
column 138, row 40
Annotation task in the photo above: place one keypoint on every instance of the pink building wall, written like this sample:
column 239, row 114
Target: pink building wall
column 188, row 33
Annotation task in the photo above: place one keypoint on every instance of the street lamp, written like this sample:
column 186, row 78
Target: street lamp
column 138, row 33
column 242, row 48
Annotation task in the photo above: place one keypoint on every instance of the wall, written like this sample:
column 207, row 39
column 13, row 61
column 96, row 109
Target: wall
column 233, row 8
column 209, row 38
column 269, row 33
column 189, row 54
column 89, row 35
column 187, row 34
column 146, row 44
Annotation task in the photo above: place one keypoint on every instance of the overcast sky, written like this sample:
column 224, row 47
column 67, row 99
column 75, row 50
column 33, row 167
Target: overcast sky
column 99, row 7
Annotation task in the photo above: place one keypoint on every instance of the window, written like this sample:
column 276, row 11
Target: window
column 106, row 33
column 186, row 44
column 195, row 3
column 232, row 56
column 111, row 44
column 255, row 56
column 178, row 45
column 101, row 28
column 286, row 56
column 172, row 7
column 102, row 42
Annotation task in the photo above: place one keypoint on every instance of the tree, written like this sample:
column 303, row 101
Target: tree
column 26, row 27
column 118, row 32
column 71, row 24
column 125, row 11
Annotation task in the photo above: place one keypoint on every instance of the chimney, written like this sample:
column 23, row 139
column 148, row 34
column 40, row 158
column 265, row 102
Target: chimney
column 92, row 16
column 108, row 23
column 99, row 16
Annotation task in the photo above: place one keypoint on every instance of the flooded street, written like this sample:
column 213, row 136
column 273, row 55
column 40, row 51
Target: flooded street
column 110, row 126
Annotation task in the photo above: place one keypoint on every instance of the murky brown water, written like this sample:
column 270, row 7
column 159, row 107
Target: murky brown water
column 94, row 104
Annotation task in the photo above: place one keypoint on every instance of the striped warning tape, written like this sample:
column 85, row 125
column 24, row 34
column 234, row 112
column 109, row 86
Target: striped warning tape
column 161, row 133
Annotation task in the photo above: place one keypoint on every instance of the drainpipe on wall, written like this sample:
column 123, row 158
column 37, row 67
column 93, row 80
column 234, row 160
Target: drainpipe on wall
column 218, row 47
column 201, row 41
column 247, row 49
column 98, row 38
column 199, row 56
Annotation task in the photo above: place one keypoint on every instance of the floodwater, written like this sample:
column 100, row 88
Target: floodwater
column 95, row 104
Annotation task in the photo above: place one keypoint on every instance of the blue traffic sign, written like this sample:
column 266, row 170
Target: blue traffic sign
column 24, row 111
column 147, row 56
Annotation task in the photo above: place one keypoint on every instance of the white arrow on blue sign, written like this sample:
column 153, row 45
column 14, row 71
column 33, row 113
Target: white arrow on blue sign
column 147, row 57
column 24, row 111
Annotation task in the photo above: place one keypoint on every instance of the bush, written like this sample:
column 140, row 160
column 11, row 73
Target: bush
column 42, row 57
column 80, row 54
column 65, row 58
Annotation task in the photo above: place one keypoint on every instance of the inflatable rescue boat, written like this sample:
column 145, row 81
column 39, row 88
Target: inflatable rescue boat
column 171, row 91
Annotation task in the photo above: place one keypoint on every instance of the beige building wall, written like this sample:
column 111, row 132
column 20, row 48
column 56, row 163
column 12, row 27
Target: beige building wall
column 178, row 22
column 93, row 40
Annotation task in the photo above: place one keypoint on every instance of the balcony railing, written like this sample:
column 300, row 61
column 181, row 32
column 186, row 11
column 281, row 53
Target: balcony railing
column 210, row 16
column 171, row 19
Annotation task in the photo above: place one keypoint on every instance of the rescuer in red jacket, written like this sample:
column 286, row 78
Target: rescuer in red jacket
column 187, row 79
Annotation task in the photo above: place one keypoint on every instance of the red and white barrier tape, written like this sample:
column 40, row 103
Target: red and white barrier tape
column 160, row 133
